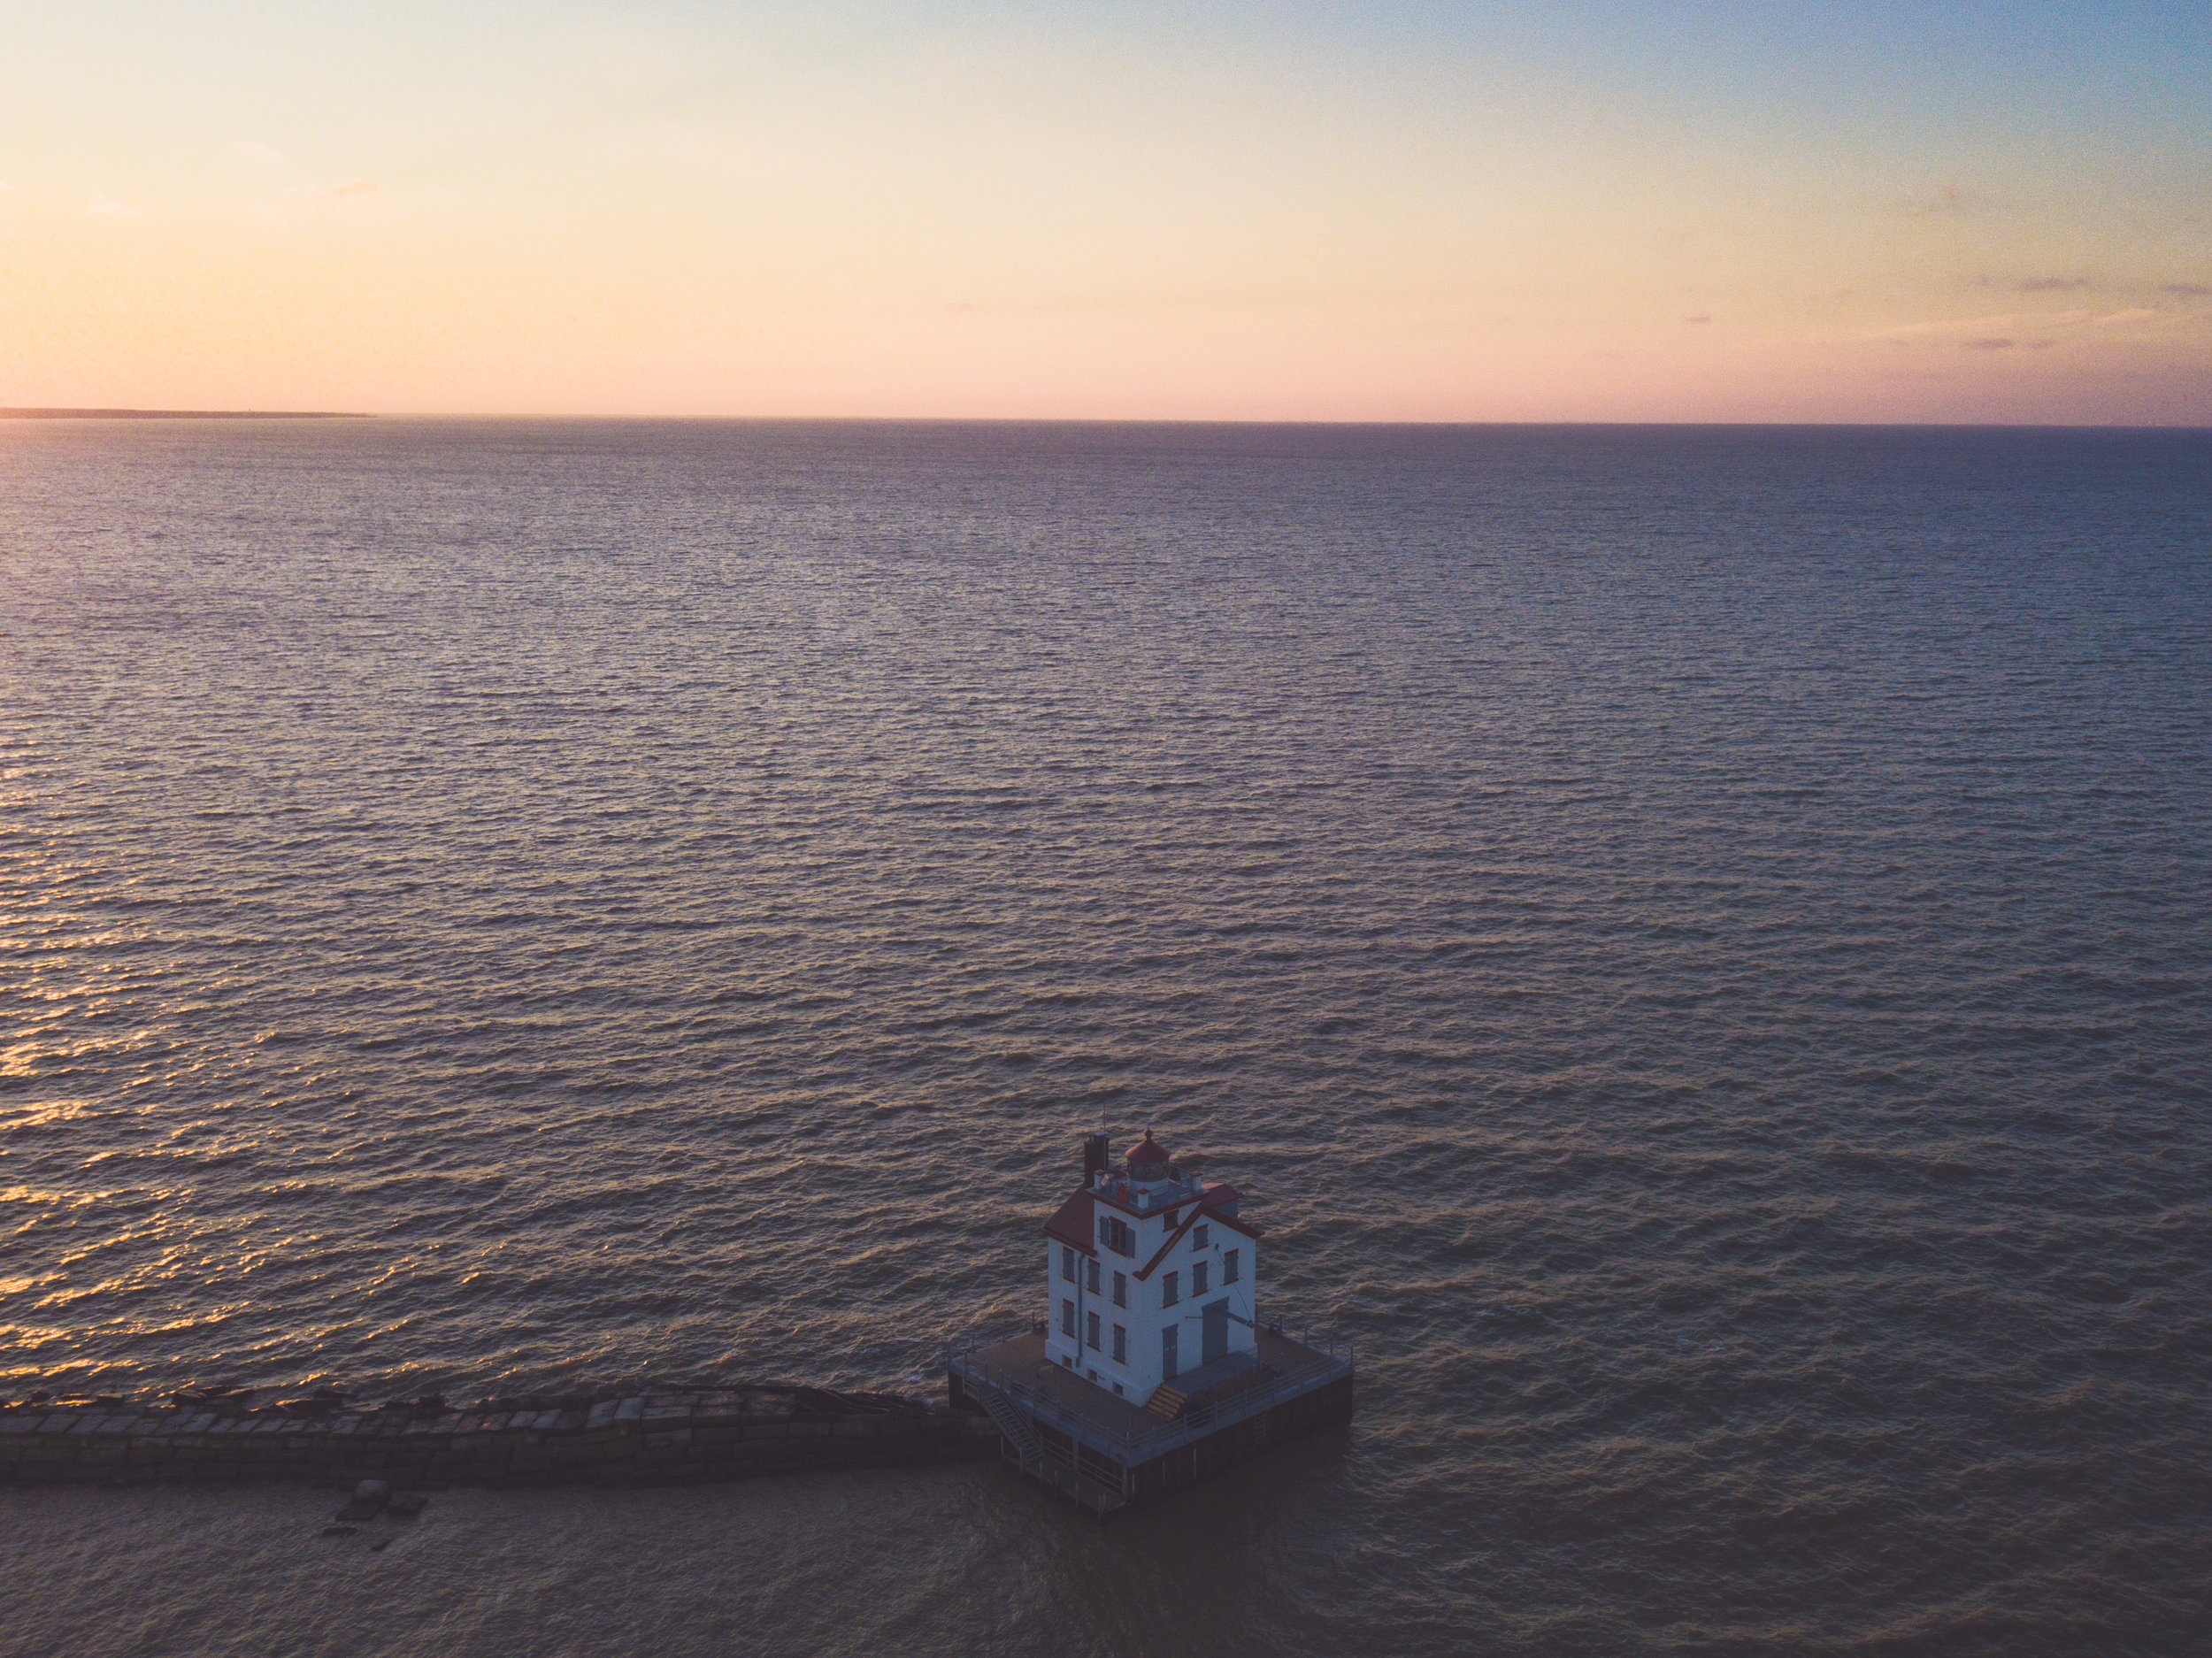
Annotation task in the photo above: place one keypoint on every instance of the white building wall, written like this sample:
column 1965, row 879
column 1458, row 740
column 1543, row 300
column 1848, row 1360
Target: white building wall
column 1144, row 1317
column 1065, row 1298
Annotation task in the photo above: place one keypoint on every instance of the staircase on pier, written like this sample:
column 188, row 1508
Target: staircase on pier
column 1021, row 1445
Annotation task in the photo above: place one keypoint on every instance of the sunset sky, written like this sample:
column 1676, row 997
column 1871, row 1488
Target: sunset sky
column 1282, row 212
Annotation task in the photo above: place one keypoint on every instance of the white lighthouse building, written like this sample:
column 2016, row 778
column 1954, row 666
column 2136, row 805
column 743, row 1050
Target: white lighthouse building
column 1151, row 1277
column 1150, row 1368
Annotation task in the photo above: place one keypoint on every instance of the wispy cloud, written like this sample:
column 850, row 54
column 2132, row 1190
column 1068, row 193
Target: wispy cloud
column 1945, row 199
column 352, row 190
column 1999, row 343
column 107, row 207
column 1704, row 316
column 259, row 152
column 1948, row 325
column 2136, row 315
column 2053, row 284
column 2189, row 290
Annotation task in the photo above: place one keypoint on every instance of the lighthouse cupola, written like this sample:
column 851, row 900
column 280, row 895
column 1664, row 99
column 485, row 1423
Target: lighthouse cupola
column 1148, row 1164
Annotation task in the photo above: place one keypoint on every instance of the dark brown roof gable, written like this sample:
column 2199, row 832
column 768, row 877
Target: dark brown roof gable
column 1201, row 1210
column 1074, row 1224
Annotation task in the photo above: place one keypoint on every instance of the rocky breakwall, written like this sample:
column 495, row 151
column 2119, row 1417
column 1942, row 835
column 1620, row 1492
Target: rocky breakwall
column 649, row 1437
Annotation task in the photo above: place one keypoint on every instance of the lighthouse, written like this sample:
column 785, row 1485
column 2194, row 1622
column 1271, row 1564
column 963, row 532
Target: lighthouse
column 1151, row 1367
column 1150, row 1275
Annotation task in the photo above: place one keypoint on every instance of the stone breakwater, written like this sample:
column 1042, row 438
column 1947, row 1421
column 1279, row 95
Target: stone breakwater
column 636, row 1439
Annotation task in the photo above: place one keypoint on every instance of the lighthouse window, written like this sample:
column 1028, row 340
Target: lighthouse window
column 1091, row 1273
column 1121, row 1289
column 1198, row 1278
column 1067, row 1318
column 1229, row 1267
column 1198, row 1236
column 1170, row 1292
column 1067, row 1262
column 1091, row 1334
column 1121, row 1345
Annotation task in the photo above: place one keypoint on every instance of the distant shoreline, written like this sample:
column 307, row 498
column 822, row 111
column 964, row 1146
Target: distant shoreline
column 180, row 414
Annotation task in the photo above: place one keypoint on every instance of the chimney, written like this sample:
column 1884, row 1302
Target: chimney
column 1094, row 1158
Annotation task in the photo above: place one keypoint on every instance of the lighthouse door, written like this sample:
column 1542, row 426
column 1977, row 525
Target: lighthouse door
column 1217, row 1331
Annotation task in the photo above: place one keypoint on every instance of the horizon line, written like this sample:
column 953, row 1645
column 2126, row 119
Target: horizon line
column 56, row 412
column 28, row 412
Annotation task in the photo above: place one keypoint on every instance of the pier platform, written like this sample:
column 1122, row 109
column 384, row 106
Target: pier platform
column 1106, row 1453
column 640, row 1439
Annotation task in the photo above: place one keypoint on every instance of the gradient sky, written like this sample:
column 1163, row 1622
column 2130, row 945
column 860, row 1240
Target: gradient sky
column 1285, row 212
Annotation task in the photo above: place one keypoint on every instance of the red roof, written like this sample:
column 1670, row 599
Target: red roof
column 1220, row 1192
column 1075, row 1222
column 1146, row 1151
column 1189, row 1221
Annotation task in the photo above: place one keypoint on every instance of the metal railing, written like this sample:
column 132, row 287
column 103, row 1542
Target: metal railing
column 1130, row 1446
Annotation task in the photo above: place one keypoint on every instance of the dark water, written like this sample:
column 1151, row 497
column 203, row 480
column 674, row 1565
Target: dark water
column 1695, row 943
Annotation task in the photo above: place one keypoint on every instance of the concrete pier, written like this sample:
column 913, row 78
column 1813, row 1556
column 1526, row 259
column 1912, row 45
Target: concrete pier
column 638, row 1439
column 1106, row 1453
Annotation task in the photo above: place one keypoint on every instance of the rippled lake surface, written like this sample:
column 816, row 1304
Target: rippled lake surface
column 1694, row 943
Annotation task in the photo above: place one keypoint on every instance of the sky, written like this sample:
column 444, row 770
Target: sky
column 1295, row 211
